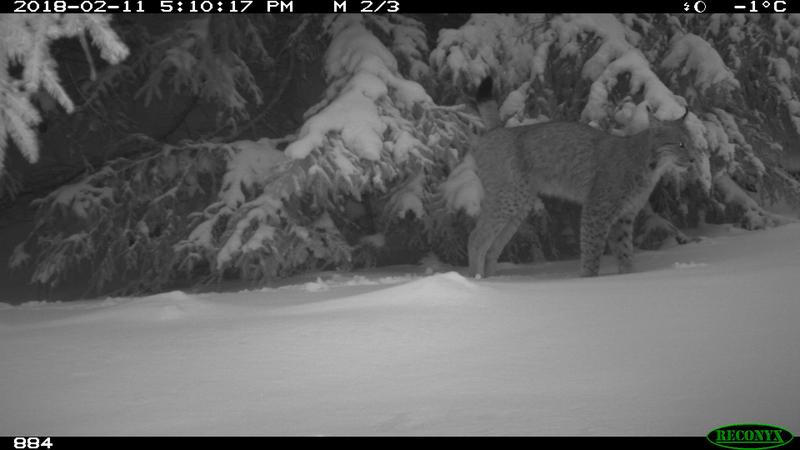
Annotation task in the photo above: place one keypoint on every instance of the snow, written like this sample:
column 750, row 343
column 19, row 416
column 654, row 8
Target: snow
column 377, row 240
column 617, row 39
column 270, row 208
column 409, row 197
column 689, row 265
column 736, row 34
column 81, row 197
column 468, row 54
column 354, row 115
column 363, row 75
column 514, row 104
column 781, row 81
column 463, row 188
column 539, row 62
column 411, row 42
column 701, row 335
column 616, row 55
column 409, row 201
column 324, row 221
column 656, row 94
column 405, row 144
column 718, row 140
column 732, row 193
column 696, row 54
column 251, row 162
column 19, row 257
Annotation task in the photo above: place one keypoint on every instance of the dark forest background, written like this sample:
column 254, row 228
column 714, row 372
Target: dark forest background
column 146, row 152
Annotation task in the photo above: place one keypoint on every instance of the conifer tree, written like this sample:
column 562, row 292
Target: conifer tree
column 378, row 170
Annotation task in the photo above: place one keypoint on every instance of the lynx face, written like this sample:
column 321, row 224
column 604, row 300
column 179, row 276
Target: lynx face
column 672, row 146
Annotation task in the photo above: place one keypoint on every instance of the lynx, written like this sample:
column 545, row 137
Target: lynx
column 610, row 176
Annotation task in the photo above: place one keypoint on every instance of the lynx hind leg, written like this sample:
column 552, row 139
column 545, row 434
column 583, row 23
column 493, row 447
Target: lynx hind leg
column 505, row 235
column 595, row 225
column 620, row 241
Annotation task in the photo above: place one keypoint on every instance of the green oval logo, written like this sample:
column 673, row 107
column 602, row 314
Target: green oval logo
column 749, row 436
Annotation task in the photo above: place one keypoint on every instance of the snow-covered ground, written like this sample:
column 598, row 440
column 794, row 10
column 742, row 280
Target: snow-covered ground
column 701, row 336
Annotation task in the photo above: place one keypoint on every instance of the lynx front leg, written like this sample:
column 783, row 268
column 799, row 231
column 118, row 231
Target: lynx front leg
column 596, row 221
column 502, row 211
column 480, row 240
column 620, row 240
column 502, row 239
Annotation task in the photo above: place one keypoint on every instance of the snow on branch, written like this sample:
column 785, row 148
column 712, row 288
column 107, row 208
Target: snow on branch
column 613, row 69
column 364, row 83
column 616, row 54
column 691, row 53
column 463, row 189
column 616, row 39
column 409, row 43
column 120, row 223
column 250, row 166
column 656, row 95
column 466, row 55
column 25, row 41
column 753, row 216
column 207, row 58
column 373, row 129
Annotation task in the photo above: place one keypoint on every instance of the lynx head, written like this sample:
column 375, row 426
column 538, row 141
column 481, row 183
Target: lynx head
column 670, row 144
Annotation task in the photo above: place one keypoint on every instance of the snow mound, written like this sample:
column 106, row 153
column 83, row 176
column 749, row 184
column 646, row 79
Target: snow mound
column 441, row 284
column 167, row 306
column 338, row 281
column 689, row 265
column 316, row 286
column 439, row 290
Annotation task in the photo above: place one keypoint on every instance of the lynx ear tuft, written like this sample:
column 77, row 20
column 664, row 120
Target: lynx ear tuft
column 485, row 90
column 651, row 116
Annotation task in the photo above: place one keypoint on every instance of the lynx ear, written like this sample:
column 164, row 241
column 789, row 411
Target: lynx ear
column 487, row 105
column 484, row 90
column 651, row 116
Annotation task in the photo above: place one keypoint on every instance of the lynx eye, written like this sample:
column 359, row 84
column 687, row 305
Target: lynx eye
column 680, row 144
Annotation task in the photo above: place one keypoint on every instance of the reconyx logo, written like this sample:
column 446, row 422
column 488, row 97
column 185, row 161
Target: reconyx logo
column 749, row 436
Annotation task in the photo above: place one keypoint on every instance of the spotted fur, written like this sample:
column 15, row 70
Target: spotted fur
column 610, row 176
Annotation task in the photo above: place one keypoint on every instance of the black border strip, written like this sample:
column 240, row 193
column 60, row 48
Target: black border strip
column 218, row 442
column 705, row 7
